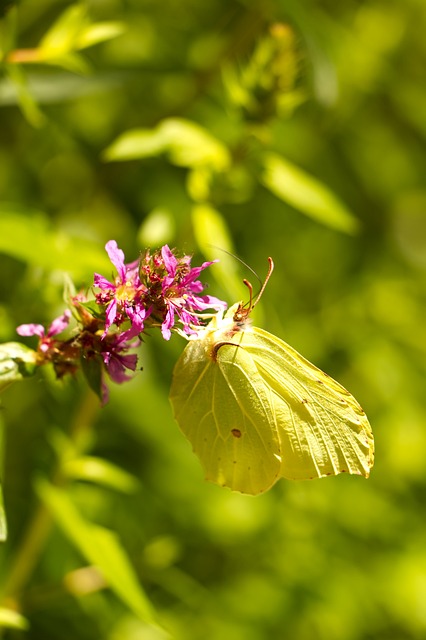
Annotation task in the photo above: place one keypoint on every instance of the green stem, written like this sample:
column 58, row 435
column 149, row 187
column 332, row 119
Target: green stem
column 35, row 538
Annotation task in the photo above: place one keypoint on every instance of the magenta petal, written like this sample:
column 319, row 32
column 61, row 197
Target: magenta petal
column 30, row 330
column 168, row 323
column 104, row 393
column 210, row 302
column 110, row 313
column 195, row 272
column 59, row 324
column 101, row 282
column 116, row 256
column 170, row 261
column 116, row 369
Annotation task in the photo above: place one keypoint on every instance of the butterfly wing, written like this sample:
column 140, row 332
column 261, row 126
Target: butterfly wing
column 222, row 406
column 322, row 428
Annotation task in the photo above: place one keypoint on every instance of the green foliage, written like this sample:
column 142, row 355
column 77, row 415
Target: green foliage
column 16, row 363
column 294, row 186
column 292, row 130
column 100, row 548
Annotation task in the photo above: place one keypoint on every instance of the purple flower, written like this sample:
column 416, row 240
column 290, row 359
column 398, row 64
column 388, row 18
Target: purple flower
column 123, row 297
column 116, row 359
column 114, row 355
column 179, row 287
column 46, row 339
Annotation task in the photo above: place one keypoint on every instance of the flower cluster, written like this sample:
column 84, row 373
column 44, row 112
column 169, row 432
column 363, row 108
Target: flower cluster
column 158, row 290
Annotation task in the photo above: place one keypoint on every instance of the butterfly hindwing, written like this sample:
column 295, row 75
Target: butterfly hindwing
column 222, row 407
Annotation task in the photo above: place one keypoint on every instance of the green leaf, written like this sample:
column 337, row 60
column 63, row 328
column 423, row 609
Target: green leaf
column 186, row 143
column 100, row 547
column 208, row 224
column 8, row 29
column 99, row 32
column 12, row 619
column 92, row 370
column 158, row 228
column 17, row 362
column 72, row 61
column 30, row 238
column 24, row 97
column 63, row 35
column 101, row 472
column 307, row 194
column 3, row 521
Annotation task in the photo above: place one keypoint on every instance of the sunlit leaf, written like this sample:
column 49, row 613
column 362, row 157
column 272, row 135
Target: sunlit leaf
column 215, row 241
column 100, row 547
column 63, row 35
column 3, row 521
column 102, row 472
column 187, row 144
column 12, row 619
column 157, row 229
column 72, row 61
column 31, row 238
column 99, row 32
column 307, row 194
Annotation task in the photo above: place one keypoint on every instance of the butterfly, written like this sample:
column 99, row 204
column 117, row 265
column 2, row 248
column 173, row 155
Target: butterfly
column 255, row 410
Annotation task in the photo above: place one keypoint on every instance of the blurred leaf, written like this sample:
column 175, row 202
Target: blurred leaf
column 3, row 522
column 11, row 619
column 307, row 194
column 92, row 369
column 71, row 61
column 99, row 32
column 100, row 547
column 25, row 99
column 186, row 143
column 101, row 472
column 213, row 238
column 8, row 27
column 31, row 239
column 16, row 363
column 62, row 37
column 56, row 87
column 157, row 229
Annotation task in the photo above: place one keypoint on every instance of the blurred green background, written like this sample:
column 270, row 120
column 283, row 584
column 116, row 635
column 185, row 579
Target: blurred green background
column 284, row 128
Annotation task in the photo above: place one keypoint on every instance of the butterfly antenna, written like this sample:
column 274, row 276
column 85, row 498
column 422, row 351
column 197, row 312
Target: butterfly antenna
column 233, row 255
column 242, row 313
column 259, row 295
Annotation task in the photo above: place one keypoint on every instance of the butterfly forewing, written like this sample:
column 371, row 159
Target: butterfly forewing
column 322, row 428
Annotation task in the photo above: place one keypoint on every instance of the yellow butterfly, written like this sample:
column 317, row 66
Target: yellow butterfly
column 255, row 410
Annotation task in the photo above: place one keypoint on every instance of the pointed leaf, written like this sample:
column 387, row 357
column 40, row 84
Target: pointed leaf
column 101, row 472
column 40, row 245
column 92, row 370
column 99, row 32
column 100, row 547
column 187, row 144
column 307, row 194
column 209, row 224
column 62, row 36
